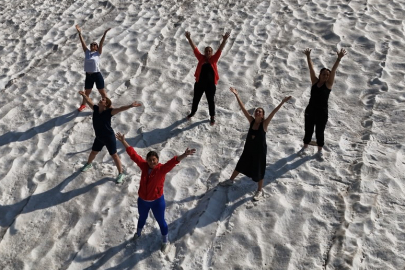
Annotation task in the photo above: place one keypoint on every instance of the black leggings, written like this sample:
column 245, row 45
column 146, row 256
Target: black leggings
column 318, row 120
column 199, row 89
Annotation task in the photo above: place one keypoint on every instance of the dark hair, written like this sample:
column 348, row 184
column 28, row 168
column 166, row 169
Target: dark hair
column 108, row 102
column 208, row 47
column 152, row 154
column 322, row 69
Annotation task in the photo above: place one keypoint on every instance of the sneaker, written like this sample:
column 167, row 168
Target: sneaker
column 86, row 167
column 120, row 178
column 81, row 108
column 303, row 152
column 212, row 121
column 258, row 195
column 136, row 237
column 227, row 183
column 190, row 115
column 165, row 247
column 319, row 156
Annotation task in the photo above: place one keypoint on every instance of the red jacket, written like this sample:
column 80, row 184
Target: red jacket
column 151, row 185
column 201, row 60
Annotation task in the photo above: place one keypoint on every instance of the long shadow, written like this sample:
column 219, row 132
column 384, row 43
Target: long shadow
column 133, row 253
column 47, row 199
column 160, row 135
column 16, row 136
column 282, row 166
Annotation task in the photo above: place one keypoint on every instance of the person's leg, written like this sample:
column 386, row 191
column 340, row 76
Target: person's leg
column 158, row 209
column 320, row 131
column 92, row 156
column 143, row 210
column 99, row 80
column 198, row 92
column 260, row 185
column 117, row 162
column 88, row 86
column 210, row 95
column 309, row 129
column 231, row 180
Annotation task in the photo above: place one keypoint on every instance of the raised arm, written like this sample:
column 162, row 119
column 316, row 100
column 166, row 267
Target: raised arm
column 224, row 39
column 268, row 119
column 121, row 138
column 242, row 107
column 100, row 46
column 186, row 153
column 81, row 38
column 124, row 108
column 314, row 79
column 87, row 99
column 188, row 36
column 331, row 78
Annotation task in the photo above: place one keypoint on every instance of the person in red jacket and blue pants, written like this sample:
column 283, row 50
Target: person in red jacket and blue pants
column 151, row 187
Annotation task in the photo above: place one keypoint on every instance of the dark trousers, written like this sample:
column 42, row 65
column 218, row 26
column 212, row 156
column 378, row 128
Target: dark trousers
column 199, row 89
column 317, row 121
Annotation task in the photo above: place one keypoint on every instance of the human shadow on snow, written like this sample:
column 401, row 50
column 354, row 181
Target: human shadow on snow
column 17, row 136
column 49, row 198
column 160, row 135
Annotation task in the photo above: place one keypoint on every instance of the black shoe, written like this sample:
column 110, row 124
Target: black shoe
column 212, row 121
column 190, row 115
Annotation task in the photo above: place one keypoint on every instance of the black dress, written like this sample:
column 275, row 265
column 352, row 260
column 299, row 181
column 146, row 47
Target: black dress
column 252, row 163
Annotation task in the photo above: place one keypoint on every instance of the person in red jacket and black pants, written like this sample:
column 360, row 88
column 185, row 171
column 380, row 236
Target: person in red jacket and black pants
column 206, row 75
column 151, row 187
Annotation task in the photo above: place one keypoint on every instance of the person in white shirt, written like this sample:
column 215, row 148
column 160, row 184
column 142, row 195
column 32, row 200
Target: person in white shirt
column 92, row 67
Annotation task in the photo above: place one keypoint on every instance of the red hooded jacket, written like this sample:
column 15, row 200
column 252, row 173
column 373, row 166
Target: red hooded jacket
column 201, row 60
column 151, row 185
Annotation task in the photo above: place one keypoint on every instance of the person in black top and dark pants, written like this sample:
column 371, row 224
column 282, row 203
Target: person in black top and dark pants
column 316, row 113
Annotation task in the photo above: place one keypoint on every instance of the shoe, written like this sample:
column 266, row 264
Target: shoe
column 258, row 195
column 212, row 121
column 165, row 247
column 86, row 167
column 136, row 237
column 81, row 108
column 303, row 152
column 190, row 115
column 227, row 183
column 319, row 156
column 120, row 178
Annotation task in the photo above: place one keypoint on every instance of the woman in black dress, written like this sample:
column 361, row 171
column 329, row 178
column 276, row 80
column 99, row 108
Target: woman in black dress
column 316, row 113
column 252, row 163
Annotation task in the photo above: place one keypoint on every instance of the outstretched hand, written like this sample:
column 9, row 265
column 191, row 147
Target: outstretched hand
column 226, row 36
column 78, row 28
column 188, row 35
column 286, row 99
column 120, row 137
column 189, row 152
column 105, row 32
column 341, row 53
column 82, row 93
column 233, row 90
column 136, row 104
column 307, row 51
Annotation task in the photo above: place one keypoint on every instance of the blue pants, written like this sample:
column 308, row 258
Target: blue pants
column 158, row 209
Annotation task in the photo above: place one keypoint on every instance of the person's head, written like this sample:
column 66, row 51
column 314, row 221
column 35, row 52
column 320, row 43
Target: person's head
column 259, row 113
column 324, row 74
column 153, row 159
column 105, row 102
column 208, row 52
column 93, row 46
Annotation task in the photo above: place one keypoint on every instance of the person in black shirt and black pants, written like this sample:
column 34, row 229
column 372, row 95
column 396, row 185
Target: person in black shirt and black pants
column 316, row 113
